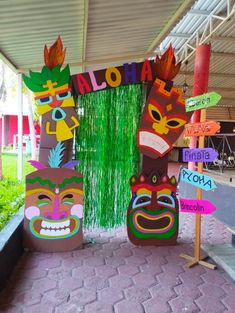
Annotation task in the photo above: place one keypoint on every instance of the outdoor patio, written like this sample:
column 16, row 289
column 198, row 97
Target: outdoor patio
column 112, row 275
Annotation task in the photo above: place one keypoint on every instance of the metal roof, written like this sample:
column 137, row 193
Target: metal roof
column 208, row 22
column 101, row 33
column 95, row 32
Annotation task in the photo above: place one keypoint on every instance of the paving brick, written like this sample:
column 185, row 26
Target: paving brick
column 110, row 295
column 145, row 279
column 39, row 308
column 43, row 285
column 96, row 283
column 229, row 301
column 70, row 283
column 72, row 262
column 28, row 297
column 27, row 261
column 33, row 273
column 183, row 304
column 104, row 252
column 168, row 279
column 120, row 281
column 56, row 297
column 82, row 272
column 128, row 269
column 69, row 307
column 213, row 277
column 115, row 261
column 106, row 271
column 156, row 305
column 161, row 291
column 149, row 268
column 137, row 260
column 212, row 290
column 142, row 251
column 49, row 263
column 138, row 294
column 210, row 304
column 99, row 307
column 83, row 296
column 59, row 273
column 94, row 261
column 83, row 253
column 123, row 252
column 183, row 289
column 190, row 279
column 128, row 306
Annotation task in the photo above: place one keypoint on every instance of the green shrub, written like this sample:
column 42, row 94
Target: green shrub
column 11, row 199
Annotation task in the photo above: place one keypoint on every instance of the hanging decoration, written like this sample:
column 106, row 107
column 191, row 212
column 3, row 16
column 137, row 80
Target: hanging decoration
column 106, row 148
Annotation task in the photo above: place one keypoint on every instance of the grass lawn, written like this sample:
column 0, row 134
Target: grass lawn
column 11, row 190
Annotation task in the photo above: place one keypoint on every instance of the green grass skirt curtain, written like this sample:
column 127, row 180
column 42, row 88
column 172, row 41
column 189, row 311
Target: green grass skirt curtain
column 107, row 150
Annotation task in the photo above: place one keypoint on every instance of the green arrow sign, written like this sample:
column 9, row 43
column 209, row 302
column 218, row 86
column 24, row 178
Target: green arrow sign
column 203, row 101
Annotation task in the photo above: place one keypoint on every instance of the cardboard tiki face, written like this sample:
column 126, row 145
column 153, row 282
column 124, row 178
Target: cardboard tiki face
column 52, row 93
column 162, row 120
column 53, row 206
column 152, row 217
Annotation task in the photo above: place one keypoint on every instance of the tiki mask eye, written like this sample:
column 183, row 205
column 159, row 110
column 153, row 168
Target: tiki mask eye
column 67, row 199
column 166, row 200
column 42, row 200
column 63, row 95
column 44, row 100
column 154, row 113
column 141, row 200
column 175, row 123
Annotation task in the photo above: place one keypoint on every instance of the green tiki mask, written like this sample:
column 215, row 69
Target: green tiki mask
column 152, row 217
column 53, row 213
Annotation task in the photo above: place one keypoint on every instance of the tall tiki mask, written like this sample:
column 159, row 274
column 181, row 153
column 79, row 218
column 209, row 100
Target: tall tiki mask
column 164, row 114
column 53, row 95
column 152, row 217
column 53, row 213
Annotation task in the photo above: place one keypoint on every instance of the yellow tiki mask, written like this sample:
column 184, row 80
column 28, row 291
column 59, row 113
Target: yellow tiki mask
column 52, row 93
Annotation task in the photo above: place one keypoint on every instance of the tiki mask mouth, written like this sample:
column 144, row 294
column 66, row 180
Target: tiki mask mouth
column 158, row 223
column 153, row 142
column 54, row 229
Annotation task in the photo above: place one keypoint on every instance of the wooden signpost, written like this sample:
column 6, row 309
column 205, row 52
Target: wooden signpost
column 196, row 206
column 202, row 182
column 199, row 155
column 202, row 129
column 203, row 101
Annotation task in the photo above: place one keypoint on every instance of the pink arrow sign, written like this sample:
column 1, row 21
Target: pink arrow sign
column 196, row 206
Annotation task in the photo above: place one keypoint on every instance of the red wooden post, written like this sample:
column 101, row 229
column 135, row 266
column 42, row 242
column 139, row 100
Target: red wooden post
column 200, row 85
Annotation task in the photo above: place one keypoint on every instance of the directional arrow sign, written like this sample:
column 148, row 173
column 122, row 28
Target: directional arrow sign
column 196, row 206
column 199, row 155
column 202, row 129
column 203, row 101
column 197, row 179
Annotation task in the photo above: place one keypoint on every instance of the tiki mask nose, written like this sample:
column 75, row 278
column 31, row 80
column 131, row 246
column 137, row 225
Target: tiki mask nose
column 56, row 214
column 58, row 114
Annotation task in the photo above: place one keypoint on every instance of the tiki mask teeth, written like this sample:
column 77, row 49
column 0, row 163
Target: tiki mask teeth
column 153, row 142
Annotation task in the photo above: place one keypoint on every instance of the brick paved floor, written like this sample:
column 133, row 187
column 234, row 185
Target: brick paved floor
column 112, row 275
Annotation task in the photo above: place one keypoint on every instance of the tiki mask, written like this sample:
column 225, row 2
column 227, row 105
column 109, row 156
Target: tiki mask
column 152, row 217
column 52, row 93
column 162, row 120
column 53, row 213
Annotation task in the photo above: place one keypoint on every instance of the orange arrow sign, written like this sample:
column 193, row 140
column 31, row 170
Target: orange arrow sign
column 202, row 129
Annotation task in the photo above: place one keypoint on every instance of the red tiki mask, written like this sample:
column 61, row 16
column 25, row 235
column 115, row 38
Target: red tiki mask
column 162, row 120
column 53, row 207
column 152, row 216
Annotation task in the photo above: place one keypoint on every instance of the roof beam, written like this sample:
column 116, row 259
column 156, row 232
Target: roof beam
column 86, row 12
column 169, row 25
column 8, row 62
column 199, row 12
column 224, row 75
column 179, row 35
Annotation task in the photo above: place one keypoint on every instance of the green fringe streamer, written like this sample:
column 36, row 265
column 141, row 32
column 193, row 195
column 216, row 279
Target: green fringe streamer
column 107, row 150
